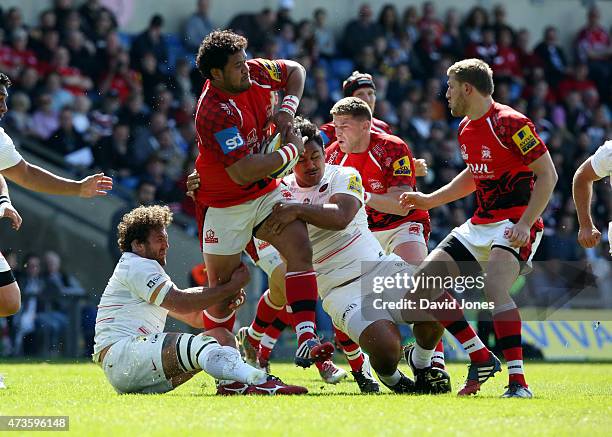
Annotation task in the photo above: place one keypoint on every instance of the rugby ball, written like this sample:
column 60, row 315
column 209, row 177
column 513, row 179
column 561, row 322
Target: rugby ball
column 272, row 145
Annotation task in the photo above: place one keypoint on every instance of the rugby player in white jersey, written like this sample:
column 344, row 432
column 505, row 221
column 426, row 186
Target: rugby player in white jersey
column 596, row 167
column 330, row 200
column 130, row 345
column 35, row 178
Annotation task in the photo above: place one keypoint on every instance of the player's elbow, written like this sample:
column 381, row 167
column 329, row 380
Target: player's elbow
column 238, row 175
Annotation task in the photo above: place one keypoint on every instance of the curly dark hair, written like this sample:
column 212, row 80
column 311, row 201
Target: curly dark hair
column 138, row 223
column 216, row 48
column 4, row 80
column 309, row 130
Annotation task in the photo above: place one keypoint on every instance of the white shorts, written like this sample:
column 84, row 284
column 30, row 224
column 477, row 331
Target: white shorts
column 134, row 365
column 610, row 236
column 480, row 239
column 4, row 265
column 227, row 231
column 264, row 255
column 404, row 233
column 352, row 307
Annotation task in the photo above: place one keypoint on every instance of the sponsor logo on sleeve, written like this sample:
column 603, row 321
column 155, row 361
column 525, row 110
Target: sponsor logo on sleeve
column 401, row 167
column 355, row 185
column 273, row 69
column 229, row 139
column 525, row 139
column 153, row 281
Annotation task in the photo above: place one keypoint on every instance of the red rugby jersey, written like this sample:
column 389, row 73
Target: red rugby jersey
column 497, row 148
column 230, row 127
column 328, row 130
column 387, row 163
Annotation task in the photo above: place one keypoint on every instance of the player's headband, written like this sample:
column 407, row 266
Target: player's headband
column 355, row 81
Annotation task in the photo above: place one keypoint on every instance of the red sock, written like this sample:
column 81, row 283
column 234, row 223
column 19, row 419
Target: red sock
column 273, row 332
column 266, row 313
column 454, row 321
column 438, row 356
column 507, row 325
column 302, row 299
column 211, row 322
column 353, row 352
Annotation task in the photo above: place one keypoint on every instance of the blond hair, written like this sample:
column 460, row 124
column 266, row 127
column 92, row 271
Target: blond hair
column 474, row 71
column 352, row 106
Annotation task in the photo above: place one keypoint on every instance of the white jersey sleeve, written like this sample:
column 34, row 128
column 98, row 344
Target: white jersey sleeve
column 9, row 156
column 347, row 181
column 602, row 160
column 144, row 277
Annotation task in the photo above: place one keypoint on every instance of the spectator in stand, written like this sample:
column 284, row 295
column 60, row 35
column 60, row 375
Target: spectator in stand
column 257, row 28
column 134, row 113
column 552, row 56
column 71, row 77
column 429, row 20
column 28, row 83
column 324, row 36
column 66, row 139
column 80, row 114
column 486, row 49
column 427, row 50
column 59, row 95
column 151, row 77
column 120, row 78
column 115, row 154
column 18, row 119
column 151, row 41
column 287, row 48
column 500, row 23
column 46, row 21
column 82, row 53
column 388, row 21
column 594, row 47
column 45, row 49
column 62, row 9
column 57, row 280
column 105, row 24
column 18, row 56
column 155, row 173
column 451, row 42
column 360, row 32
column 13, row 20
column 90, row 10
column 180, row 82
column 45, row 120
column 506, row 64
column 577, row 80
column 473, row 26
column 410, row 23
column 197, row 26
column 283, row 15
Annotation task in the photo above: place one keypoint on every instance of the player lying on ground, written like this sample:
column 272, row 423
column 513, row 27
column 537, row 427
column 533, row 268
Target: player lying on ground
column 239, row 185
column 34, row 178
column 130, row 345
column 513, row 175
column 596, row 167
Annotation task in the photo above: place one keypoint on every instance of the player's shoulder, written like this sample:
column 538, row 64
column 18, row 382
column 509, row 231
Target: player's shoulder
column 338, row 171
column 505, row 114
column 602, row 159
column 5, row 139
column 384, row 146
column 264, row 70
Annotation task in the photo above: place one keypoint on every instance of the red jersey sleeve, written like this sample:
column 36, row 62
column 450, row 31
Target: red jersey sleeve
column 398, row 167
column 219, row 133
column 272, row 73
column 520, row 136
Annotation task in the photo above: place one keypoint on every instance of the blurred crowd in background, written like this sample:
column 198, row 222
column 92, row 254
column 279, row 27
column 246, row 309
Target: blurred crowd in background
column 98, row 98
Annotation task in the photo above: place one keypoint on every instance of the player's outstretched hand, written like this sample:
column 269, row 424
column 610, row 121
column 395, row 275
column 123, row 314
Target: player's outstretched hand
column 284, row 124
column 414, row 200
column 7, row 210
column 240, row 277
column 95, row 185
column 420, row 167
column 282, row 215
column 193, row 183
column 589, row 237
column 518, row 234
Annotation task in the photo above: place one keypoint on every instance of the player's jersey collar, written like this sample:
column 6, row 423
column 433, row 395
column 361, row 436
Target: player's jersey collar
column 486, row 114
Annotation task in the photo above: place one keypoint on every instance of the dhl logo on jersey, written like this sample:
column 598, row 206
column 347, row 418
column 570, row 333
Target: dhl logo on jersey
column 525, row 139
column 355, row 185
column 273, row 69
column 401, row 167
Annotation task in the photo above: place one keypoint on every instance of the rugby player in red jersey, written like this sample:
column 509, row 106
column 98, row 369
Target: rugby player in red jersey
column 509, row 167
column 236, row 195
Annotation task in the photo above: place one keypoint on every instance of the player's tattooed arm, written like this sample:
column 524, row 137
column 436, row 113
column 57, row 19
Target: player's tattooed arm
column 461, row 186
column 582, row 190
column 334, row 215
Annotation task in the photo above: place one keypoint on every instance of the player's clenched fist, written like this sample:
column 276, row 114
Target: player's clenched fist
column 589, row 237
column 420, row 167
column 518, row 234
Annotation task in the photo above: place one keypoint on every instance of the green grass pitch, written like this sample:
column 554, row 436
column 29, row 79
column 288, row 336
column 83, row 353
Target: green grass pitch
column 571, row 399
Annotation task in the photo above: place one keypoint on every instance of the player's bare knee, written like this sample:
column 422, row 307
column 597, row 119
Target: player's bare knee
column 10, row 300
column 223, row 336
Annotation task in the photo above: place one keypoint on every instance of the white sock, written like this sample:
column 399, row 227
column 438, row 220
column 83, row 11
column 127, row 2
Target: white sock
column 225, row 362
column 421, row 357
column 392, row 379
column 268, row 342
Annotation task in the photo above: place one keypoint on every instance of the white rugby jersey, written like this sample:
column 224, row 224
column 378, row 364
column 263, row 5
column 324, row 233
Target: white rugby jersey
column 602, row 165
column 124, row 309
column 9, row 156
column 337, row 255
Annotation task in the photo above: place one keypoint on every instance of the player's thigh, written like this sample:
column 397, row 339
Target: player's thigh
column 220, row 267
column 502, row 269
column 277, row 285
column 10, row 299
column 413, row 252
column 134, row 365
column 382, row 341
column 227, row 231
column 292, row 243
